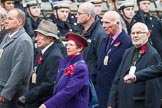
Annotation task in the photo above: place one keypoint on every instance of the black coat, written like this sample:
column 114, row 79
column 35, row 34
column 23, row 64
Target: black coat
column 46, row 75
column 68, row 26
column 106, row 73
column 94, row 35
column 2, row 34
column 138, row 95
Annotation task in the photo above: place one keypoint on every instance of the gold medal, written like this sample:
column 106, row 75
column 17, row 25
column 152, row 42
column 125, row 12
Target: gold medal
column 106, row 60
column 1, row 52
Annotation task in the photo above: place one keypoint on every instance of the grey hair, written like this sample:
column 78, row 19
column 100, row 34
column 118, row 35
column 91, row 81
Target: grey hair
column 89, row 8
column 142, row 25
column 117, row 17
column 3, row 13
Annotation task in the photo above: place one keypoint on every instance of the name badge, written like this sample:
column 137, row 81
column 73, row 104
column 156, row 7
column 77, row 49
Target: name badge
column 132, row 70
column 106, row 60
column 1, row 52
column 34, row 78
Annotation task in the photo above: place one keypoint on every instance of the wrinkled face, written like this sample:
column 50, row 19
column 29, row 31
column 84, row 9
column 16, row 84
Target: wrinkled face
column 8, row 5
column 34, row 11
column 82, row 16
column 128, row 12
column 98, row 9
column 42, row 40
column 145, row 6
column 12, row 23
column 62, row 13
column 109, row 24
column 139, row 36
column 72, row 48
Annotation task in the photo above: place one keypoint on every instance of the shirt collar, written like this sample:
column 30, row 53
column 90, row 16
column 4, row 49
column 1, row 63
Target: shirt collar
column 116, row 35
column 43, row 50
column 11, row 35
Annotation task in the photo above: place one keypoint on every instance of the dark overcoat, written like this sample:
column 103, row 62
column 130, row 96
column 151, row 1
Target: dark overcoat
column 106, row 73
column 72, row 91
column 46, row 75
column 94, row 35
column 138, row 95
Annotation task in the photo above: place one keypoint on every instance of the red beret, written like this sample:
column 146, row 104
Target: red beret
column 77, row 38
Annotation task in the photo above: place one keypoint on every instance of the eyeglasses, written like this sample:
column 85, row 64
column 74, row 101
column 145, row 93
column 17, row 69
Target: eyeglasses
column 137, row 33
column 79, row 13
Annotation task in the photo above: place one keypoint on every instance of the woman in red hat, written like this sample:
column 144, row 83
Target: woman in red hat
column 72, row 84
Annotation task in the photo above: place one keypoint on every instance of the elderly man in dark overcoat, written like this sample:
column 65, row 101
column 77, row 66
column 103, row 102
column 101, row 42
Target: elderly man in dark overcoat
column 110, row 56
column 16, row 60
column 144, row 94
column 45, row 70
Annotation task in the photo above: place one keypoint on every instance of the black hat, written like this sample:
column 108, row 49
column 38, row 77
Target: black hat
column 6, row 0
column 138, row 1
column 77, row 38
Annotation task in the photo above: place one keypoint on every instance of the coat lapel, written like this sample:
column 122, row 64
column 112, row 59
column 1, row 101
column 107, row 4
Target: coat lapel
column 6, row 42
column 128, row 61
column 113, row 46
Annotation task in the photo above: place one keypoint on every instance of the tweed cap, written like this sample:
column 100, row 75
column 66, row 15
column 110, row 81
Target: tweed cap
column 77, row 38
column 126, row 4
column 47, row 28
column 61, row 4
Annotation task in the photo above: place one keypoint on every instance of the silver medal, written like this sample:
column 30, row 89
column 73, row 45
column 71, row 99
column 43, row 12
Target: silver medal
column 106, row 60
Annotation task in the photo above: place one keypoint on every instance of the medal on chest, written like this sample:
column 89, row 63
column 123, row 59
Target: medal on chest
column 106, row 60
column 34, row 76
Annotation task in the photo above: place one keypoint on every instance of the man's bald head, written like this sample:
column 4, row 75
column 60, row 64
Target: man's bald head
column 88, row 8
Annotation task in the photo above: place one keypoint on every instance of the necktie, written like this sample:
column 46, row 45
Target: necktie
column 136, row 55
column 109, row 44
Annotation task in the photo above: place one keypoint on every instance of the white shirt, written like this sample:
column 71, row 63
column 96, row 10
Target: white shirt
column 11, row 35
column 44, row 49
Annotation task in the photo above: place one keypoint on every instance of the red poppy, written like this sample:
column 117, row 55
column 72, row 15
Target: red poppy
column 70, row 70
column 143, row 49
column 39, row 60
column 117, row 44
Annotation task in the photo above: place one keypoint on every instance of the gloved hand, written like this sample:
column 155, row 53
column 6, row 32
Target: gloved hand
column 21, row 101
